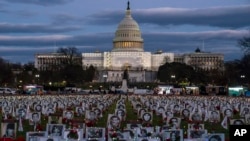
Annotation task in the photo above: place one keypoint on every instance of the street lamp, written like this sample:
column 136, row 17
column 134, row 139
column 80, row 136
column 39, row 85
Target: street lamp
column 105, row 76
column 20, row 83
column 37, row 77
column 173, row 77
column 242, row 78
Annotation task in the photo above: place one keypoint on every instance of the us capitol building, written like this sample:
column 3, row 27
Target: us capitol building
column 128, row 53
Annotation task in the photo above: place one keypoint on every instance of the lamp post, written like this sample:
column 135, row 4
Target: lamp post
column 172, row 77
column 37, row 78
column 90, row 89
column 242, row 79
column 105, row 76
column 20, row 84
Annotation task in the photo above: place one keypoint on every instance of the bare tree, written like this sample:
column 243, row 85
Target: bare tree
column 72, row 56
column 244, row 44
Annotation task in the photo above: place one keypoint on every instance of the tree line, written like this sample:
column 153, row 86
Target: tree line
column 70, row 71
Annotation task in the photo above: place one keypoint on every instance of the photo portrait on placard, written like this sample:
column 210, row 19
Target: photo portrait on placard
column 70, row 104
column 68, row 114
column 22, row 106
column 34, row 118
column 79, row 111
column 8, row 129
column 147, row 117
column 5, row 103
column 20, row 113
column 196, row 133
column 120, row 113
column 49, row 139
column 174, row 122
column 196, row 126
column 168, row 114
column 160, row 110
column 114, row 122
column 185, row 113
column 176, row 108
column 34, row 136
column 55, row 103
column 62, row 106
column 228, row 112
column 121, row 106
column 101, row 106
column 137, row 106
column 6, row 110
column 55, row 129
column 237, row 121
column 95, row 132
column 76, row 134
column 247, row 119
column 244, row 111
column 216, row 137
column 38, row 108
column 143, row 133
column 51, row 105
column 98, row 112
column 50, row 110
column 196, row 117
column 91, row 115
column 172, row 135
column 214, row 116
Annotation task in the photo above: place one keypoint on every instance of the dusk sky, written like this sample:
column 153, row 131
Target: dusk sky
column 28, row 27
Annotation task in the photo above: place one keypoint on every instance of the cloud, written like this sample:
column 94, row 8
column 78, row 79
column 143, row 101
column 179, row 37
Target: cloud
column 64, row 19
column 229, row 17
column 34, row 28
column 3, row 11
column 105, row 17
column 41, row 2
column 31, row 41
column 223, row 41
column 25, row 13
column 154, row 38
column 2, row 8
column 99, row 39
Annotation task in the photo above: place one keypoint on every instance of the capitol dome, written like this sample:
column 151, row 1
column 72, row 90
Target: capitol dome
column 128, row 35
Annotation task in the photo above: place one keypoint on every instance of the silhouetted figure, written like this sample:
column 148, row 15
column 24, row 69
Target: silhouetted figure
column 125, row 74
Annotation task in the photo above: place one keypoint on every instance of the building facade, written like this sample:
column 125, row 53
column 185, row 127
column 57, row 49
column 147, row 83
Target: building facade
column 128, row 53
column 203, row 60
column 52, row 61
